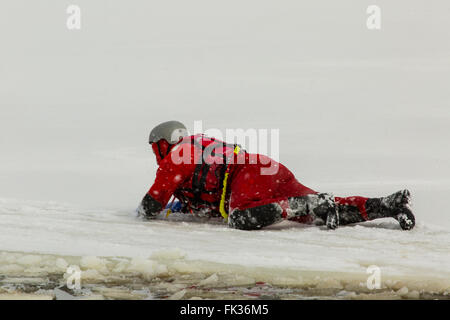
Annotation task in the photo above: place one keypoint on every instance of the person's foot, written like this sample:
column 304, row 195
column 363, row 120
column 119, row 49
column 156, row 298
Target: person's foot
column 399, row 206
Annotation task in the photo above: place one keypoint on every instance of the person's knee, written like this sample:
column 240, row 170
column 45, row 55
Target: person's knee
column 318, row 205
column 255, row 218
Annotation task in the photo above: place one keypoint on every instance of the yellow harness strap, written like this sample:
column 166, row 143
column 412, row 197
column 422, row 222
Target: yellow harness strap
column 222, row 210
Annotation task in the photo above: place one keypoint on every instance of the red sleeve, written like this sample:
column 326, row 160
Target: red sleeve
column 177, row 167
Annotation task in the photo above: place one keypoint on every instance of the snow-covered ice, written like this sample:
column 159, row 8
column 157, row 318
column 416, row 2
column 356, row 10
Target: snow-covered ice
column 44, row 237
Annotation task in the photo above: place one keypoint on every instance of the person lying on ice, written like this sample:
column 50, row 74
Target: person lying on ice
column 211, row 176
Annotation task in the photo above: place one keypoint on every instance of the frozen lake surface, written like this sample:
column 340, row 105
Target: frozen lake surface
column 194, row 256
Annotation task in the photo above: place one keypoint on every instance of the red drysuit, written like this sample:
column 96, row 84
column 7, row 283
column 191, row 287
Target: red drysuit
column 197, row 180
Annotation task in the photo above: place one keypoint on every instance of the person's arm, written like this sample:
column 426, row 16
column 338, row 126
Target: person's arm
column 174, row 169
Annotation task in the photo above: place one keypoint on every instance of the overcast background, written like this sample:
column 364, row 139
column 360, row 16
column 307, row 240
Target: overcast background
column 359, row 111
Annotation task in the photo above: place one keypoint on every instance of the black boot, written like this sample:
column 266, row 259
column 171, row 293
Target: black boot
column 319, row 205
column 396, row 205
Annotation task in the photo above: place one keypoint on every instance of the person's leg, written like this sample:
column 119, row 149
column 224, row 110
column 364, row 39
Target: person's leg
column 360, row 209
column 341, row 211
column 318, row 205
column 303, row 208
column 258, row 200
column 255, row 218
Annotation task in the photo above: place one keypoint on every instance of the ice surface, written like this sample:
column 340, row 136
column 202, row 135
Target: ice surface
column 46, row 237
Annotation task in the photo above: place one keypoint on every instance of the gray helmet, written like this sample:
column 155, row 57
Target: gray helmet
column 171, row 131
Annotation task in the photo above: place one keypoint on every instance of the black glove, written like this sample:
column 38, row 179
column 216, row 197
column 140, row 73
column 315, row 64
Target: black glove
column 149, row 207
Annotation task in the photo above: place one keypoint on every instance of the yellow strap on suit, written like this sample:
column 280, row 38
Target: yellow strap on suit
column 222, row 210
